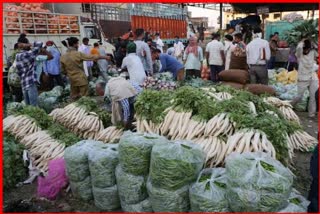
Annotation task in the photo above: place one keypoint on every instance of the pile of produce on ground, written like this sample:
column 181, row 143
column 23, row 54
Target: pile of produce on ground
column 39, row 134
column 162, row 81
column 14, row 170
column 173, row 167
column 47, row 100
column 86, row 120
column 222, row 120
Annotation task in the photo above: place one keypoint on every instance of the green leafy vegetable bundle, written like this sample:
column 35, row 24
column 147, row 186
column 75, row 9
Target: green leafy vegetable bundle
column 106, row 199
column 174, row 165
column 135, row 151
column 257, row 183
column 297, row 203
column 13, row 167
column 208, row 194
column 144, row 206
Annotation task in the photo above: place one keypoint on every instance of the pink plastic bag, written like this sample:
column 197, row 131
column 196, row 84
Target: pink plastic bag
column 50, row 186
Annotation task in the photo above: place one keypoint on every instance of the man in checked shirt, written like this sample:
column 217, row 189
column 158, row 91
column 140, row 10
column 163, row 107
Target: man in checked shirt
column 25, row 60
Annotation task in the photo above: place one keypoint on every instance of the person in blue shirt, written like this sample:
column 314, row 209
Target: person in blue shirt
column 53, row 66
column 169, row 63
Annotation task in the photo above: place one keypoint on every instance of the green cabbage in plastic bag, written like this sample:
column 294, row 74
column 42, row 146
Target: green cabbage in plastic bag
column 163, row 200
column 82, row 189
column 12, row 107
column 144, row 206
column 102, row 165
column 297, row 203
column 208, row 194
column 106, row 199
column 174, row 165
column 132, row 189
column 257, row 183
column 135, row 151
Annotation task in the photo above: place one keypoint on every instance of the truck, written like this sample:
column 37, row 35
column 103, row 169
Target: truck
column 40, row 26
column 168, row 20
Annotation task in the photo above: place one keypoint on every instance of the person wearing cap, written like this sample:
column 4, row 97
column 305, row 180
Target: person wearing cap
column 133, row 64
column 25, row 60
column 72, row 66
column 122, row 93
column 159, row 42
column 53, row 66
column 258, row 54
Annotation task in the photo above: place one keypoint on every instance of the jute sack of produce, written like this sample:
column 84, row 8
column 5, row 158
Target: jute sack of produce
column 257, row 183
column 259, row 89
column 208, row 194
column 233, row 85
column 234, row 75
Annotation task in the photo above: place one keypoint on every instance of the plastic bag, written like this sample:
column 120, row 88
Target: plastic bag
column 102, row 165
column 297, row 203
column 174, row 165
column 208, row 194
column 50, row 186
column 132, row 189
column 144, row 206
column 82, row 189
column 163, row 200
column 135, row 151
column 257, row 183
column 106, row 199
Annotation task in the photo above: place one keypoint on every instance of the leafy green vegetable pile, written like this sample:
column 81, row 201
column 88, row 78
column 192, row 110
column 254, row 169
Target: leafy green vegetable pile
column 152, row 104
column 13, row 167
column 61, row 134
column 144, row 206
column 257, row 183
column 174, row 165
column 135, row 151
column 208, row 194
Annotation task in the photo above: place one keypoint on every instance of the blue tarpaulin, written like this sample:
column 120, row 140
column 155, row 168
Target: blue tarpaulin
column 251, row 20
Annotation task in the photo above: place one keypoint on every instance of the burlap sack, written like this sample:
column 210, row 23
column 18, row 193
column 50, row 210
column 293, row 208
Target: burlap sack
column 234, row 75
column 259, row 89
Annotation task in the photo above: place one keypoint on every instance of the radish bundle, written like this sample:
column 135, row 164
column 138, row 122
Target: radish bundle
column 109, row 135
column 219, row 124
column 301, row 140
column 43, row 148
column 20, row 125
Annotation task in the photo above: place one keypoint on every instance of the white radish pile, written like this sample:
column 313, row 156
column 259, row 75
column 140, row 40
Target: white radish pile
column 224, row 95
column 109, row 135
column 301, row 140
column 20, row 126
column 249, row 140
column 43, row 148
column 85, row 124
column 284, row 107
column 219, row 125
column 214, row 148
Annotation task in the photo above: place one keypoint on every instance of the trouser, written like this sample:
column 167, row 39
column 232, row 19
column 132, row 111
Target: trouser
column 56, row 78
column 259, row 74
column 271, row 62
column 30, row 95
column 312, row 85
column 193, row 72
column 214, row 71
column 79, row 91
column 17, row 93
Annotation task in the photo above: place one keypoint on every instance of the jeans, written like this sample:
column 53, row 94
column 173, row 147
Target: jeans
column 271, row 62
column 31, row 95
column 214, row 71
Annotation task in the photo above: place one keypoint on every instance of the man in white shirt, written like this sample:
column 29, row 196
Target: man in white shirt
column 143, row 52
column 159, row 42
column 178, row 49
column 84, row 48
column 258, row 54
column 134, row 65
column 215, row 57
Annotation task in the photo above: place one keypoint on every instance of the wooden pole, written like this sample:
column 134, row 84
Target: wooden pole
column 221, row 15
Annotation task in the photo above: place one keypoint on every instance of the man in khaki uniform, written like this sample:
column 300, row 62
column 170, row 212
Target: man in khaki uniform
column 72, row 66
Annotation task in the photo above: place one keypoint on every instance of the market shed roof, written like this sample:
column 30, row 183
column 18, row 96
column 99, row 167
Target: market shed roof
column 274, row 7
